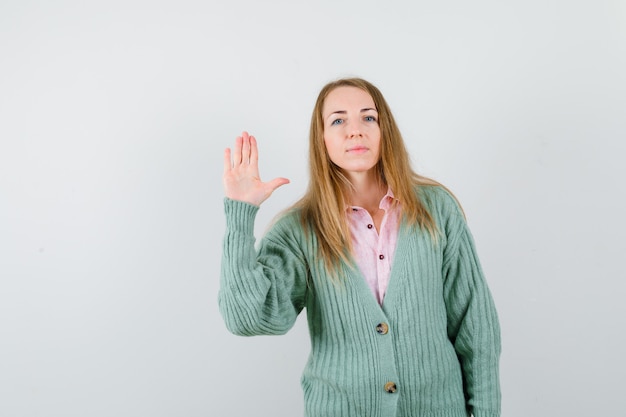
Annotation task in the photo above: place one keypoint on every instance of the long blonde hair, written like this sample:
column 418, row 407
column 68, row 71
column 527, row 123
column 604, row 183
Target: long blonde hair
column 322, row 208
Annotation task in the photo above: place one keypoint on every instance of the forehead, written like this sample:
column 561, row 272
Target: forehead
column 347, row 98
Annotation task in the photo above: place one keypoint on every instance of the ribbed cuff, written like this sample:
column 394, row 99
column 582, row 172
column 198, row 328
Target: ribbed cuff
column 240, row 215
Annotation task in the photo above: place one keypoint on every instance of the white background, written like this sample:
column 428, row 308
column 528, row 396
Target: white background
column 113, row 120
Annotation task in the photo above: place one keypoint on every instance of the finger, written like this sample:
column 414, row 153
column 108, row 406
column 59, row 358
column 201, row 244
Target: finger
column 245, row 152
column 254, row 151
column 237, row 151
column 227, row 163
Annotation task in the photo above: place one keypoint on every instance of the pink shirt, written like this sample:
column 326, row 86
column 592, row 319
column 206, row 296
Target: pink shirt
column 373, row 251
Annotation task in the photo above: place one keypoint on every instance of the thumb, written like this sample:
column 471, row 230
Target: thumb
column 277, row 182
column 271, row 186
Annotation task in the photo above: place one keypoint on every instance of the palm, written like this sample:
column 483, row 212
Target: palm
column 241, row 173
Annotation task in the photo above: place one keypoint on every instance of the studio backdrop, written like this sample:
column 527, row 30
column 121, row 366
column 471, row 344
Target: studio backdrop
column 114, row 117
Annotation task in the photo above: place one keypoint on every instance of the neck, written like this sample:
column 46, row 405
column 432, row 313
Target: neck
column 367, row 191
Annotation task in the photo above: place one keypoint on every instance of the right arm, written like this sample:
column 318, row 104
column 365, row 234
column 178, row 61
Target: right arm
column 260, row 292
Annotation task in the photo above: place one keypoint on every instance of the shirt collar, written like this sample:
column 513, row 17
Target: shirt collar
column 385, row 203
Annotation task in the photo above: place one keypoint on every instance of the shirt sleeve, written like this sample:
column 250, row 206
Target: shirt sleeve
column 473, row 325
column 261, row 291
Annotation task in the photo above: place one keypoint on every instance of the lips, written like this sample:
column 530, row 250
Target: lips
column 357, row 149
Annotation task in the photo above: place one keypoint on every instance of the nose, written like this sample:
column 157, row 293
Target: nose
column 354, row 132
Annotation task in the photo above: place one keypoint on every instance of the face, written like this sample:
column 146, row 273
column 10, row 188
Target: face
column 351, row 130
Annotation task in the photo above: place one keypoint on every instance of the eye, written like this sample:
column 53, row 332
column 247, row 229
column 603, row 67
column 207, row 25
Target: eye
column 337, row 122
column 370, row 118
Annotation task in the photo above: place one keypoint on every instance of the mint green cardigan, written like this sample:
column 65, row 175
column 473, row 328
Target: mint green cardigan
column 431, row 349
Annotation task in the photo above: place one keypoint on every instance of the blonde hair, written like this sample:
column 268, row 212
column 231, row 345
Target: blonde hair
column 322, row 208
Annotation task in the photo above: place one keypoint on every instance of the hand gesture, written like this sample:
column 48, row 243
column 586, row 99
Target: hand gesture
column 241, row 174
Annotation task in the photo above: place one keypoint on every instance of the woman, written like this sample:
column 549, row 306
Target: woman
column 400, row 317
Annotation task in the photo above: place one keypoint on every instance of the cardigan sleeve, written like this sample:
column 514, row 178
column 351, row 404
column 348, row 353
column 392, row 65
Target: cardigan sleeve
column 261, row 292
column 473, row 326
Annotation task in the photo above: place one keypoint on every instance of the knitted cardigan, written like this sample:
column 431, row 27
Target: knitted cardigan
column 432, row 348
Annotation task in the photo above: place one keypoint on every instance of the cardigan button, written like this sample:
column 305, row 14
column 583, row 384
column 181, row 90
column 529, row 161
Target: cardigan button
column 382, row 328
column 391, row 387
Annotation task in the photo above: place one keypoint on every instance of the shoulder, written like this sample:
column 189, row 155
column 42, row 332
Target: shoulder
column 439, row 200
column 286, row 225
column 444, row 208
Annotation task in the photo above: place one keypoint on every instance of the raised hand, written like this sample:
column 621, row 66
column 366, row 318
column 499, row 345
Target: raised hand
column 241, row 173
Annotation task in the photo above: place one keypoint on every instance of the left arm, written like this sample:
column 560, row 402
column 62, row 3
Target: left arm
column 473, row 324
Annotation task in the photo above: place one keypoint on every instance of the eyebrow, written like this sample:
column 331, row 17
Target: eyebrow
column 345, row 112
